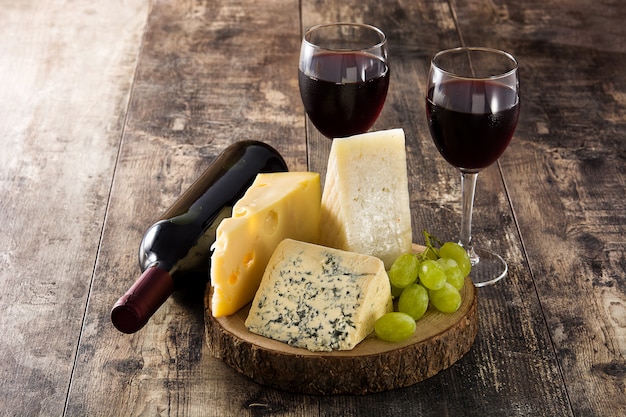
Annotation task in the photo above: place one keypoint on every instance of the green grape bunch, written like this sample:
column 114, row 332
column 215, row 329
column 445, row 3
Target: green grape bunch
column 434, row 278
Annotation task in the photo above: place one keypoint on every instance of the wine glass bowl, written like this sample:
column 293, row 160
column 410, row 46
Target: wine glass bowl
column 343, row 77
column 472, row 108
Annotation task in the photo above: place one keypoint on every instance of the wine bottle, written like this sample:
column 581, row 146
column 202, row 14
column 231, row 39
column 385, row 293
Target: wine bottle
column 177, row 247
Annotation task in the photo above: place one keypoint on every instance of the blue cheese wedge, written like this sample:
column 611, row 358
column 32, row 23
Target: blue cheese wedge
column 319, row 298
column 365, row 203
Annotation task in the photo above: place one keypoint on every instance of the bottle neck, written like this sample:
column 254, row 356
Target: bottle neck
column 142, row 300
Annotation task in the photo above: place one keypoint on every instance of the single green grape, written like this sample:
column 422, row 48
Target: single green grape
column 404, row 270
column 446, row 299
column 459, row 254
column 394, row 327
column 432, row 275
column 454, row 275
column 414, row 301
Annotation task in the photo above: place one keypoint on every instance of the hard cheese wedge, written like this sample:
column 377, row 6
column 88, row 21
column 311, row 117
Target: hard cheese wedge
column 319, row 298
column 276, row 206
column 365, row 204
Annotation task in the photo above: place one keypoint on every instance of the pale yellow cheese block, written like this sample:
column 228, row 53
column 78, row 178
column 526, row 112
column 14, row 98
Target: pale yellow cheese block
column 276, row 206
column 365, row 204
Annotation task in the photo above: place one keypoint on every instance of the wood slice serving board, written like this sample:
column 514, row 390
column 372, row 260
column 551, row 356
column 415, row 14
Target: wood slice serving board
column 372, row 366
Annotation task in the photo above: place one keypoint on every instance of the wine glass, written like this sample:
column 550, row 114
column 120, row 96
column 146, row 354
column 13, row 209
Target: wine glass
column 472, row 109
column 343, row 77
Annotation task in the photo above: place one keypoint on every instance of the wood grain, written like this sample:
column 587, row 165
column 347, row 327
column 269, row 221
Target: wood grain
column 144, row 363
column 202, row 83
column 110, row 109
column 566, row 174
column 513, row 338
column 66, row 72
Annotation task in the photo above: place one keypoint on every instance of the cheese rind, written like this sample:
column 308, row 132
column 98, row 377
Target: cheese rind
column 365, row 203
column 319, row 298
column 275, row 207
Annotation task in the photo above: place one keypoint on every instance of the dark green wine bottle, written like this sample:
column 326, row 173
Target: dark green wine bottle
column 176, row 248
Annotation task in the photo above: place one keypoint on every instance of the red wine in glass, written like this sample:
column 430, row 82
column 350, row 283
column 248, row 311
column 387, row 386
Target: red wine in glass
column 467, row 131
column 346, row 92
column 343, row 76
column 472, row 108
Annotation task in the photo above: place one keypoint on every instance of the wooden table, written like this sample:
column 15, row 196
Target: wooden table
column 109, row 110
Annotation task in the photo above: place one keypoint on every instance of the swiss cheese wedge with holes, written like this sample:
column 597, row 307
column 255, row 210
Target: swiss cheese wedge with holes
column 276, row 206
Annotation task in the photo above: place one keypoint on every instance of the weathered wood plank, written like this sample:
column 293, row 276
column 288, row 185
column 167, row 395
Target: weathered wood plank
column 512, row 335
column 210, row 73
column 198, row 89
column 66, row 71
column 566, row 174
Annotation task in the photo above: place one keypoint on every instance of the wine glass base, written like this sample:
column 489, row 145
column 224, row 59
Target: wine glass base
column 487, row 267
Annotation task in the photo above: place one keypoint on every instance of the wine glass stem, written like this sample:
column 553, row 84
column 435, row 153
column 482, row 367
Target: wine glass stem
column 468, row 186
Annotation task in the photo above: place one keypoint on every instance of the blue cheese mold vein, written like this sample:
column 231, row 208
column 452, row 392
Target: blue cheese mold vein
column 319, row 298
